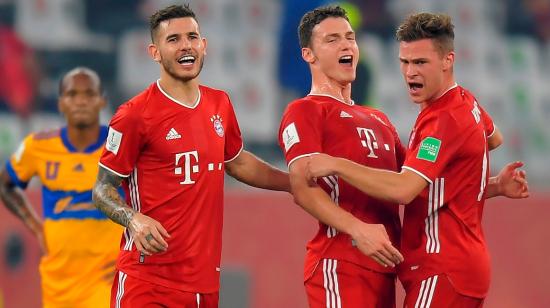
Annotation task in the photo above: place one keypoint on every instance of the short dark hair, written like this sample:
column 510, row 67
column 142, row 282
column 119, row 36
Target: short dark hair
column 437, row 27
column 80, row 70
column 313, row 18
column 167, row 13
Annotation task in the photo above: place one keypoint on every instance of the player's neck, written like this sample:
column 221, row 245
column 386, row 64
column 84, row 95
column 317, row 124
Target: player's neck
column 82, row 138
column 451, row 83
column 186, row 92
column 326, row 86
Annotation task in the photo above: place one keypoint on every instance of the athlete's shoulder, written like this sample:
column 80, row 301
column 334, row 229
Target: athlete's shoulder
column 306, row 103
column 206, row 90
column 46, row 134
column 377, row 114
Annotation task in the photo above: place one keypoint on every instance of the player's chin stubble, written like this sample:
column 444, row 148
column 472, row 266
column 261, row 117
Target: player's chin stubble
column 173, row 74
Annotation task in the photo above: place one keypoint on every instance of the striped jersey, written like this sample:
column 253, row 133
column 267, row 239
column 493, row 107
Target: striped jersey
column 82, row 243
column 323, row 124
column 172, row 158
column 442, row 231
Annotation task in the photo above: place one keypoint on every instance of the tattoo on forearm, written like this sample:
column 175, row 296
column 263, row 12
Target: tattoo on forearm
column 108, row 200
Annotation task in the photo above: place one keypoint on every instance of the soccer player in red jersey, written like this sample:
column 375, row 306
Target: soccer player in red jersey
column 444, row 180
column 350, row 261
column 169, row 147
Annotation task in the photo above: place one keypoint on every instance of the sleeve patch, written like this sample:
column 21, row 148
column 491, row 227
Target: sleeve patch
column 290, row 136
column 429, row 149
column 114, row 138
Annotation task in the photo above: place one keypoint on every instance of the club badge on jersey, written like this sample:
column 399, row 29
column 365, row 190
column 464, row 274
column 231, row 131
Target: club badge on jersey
column 218, row 127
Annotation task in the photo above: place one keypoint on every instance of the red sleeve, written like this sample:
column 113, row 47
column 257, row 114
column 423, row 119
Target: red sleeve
column 300, row 130
column 487, row 121
column 124, row 141
column 233, row 138
column 437, row 142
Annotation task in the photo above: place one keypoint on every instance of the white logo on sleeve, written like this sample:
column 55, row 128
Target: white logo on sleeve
column 290, row 136
column 114, row 138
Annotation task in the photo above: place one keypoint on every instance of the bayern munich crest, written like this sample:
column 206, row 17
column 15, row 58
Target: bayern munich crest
column 218, row 127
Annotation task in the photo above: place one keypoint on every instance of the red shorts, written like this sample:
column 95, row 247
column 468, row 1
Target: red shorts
column 340, row 284
column 437, row 291
column 129, row 292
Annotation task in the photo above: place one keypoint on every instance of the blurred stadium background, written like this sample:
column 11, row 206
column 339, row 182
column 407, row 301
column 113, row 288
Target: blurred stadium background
column 503, row 56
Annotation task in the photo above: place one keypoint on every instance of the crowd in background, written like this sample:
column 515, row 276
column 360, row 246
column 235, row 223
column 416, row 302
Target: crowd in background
column 503, row 54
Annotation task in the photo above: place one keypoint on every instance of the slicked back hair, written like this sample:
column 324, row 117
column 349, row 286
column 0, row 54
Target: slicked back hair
column 315, row 17
column 437, row 27
column 167, row 13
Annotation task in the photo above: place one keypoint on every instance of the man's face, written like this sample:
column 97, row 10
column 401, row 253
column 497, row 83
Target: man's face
column 334, row 49
column 81, row 100
column 179, row 48
column 424, row 69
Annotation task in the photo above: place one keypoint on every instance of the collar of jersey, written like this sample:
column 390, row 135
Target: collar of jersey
column 178, row 102
column 449, row 89
column 327, row 95
column 103, row 131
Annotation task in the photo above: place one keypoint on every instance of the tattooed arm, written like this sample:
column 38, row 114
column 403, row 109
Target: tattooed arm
column 148, row 233
column 15, row 201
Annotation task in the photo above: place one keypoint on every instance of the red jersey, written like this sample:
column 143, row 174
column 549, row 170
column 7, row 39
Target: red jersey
column 323, row 124
column 442, row 231
column 173, row 158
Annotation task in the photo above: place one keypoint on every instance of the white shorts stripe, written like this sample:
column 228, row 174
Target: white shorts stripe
column 419, row 297
column 336, row 288
column 431, row 293
column 426, row 293
column 120, row 289
column 198, row 300
column 325, row 283
column 330, row 283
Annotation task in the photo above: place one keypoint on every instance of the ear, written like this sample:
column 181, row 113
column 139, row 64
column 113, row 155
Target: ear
column 449, row 61
column 307, row 55
column 154, row 52
column 205, row 43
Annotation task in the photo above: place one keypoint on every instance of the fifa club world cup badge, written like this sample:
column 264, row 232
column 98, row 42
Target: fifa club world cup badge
column 218, row 127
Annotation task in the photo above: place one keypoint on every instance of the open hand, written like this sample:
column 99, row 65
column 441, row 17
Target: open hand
column 512, row 182
column 373, row 241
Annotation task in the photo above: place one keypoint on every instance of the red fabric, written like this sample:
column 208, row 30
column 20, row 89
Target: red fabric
column 337, row 284
column 361, row 134
column 129, row 292
column 16, row 85
column 175, row 158
column 438, row 292
column 442, row 232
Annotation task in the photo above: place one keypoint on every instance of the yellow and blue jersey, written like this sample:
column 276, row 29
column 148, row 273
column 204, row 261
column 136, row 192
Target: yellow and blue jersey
column 82, row 242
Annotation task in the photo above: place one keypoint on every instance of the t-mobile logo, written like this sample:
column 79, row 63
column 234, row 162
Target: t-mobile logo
column 369, row 141
column 190, row 165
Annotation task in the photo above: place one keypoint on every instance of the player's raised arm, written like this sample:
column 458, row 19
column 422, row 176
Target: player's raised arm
column 15, row 202
column 148, row 233
column 371, row 239
column 251, row 170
